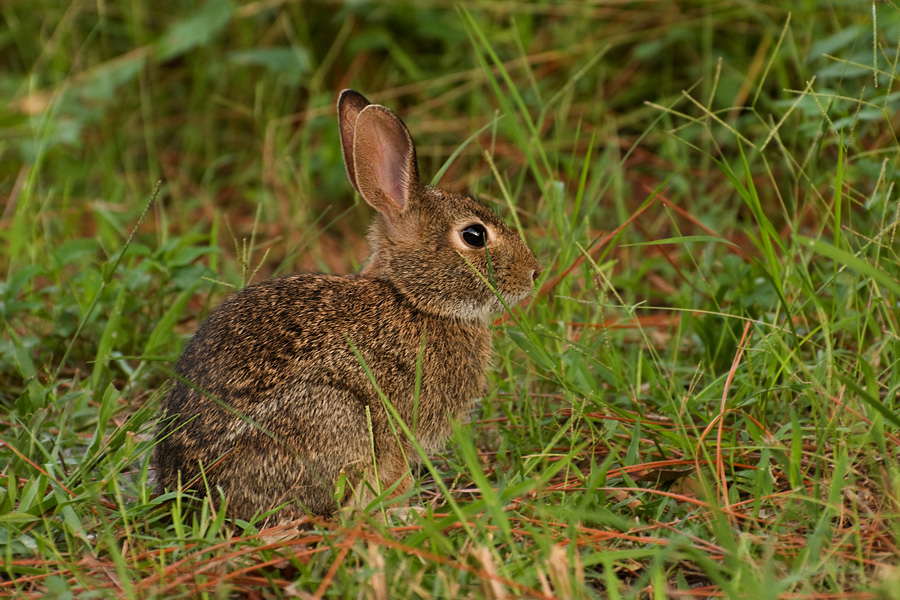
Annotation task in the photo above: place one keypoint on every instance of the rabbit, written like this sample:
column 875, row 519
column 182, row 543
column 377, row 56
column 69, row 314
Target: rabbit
column 272, row 408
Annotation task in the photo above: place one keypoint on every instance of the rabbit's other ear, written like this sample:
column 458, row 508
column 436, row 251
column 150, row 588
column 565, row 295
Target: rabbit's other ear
column 384, row 159
column 350, row 104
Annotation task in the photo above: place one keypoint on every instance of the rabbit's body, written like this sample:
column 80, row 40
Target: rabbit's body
column 272, row 402
column 304, row 393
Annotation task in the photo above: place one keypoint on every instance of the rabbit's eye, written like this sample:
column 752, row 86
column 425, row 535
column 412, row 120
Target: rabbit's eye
column 474, row 235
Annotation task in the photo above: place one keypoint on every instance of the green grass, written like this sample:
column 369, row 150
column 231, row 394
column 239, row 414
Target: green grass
column 701, row 401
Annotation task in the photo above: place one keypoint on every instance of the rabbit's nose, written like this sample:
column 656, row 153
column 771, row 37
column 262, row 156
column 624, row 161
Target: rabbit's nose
column 535, row 273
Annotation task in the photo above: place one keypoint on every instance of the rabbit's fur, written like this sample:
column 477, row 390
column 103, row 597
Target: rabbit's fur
column 272, row 403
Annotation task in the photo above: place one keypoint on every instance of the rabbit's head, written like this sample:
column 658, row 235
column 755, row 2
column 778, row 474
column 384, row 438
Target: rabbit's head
column 425, row 241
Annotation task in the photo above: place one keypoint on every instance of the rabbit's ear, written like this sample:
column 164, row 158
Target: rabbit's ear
column 384, row 160
column 350, row 104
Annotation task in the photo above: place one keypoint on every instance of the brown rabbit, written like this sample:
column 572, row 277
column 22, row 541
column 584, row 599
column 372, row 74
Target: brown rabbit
column 272, row 403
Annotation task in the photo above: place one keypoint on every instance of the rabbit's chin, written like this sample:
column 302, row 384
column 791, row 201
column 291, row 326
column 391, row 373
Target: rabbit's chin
column 513, row 299
column 482, row 311
column 471, row 311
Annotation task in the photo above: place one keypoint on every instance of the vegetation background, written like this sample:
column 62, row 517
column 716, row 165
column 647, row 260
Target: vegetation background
column 701, row 401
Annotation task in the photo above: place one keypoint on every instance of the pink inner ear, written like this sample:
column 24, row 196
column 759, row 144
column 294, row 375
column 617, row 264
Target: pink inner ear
column 392, row 162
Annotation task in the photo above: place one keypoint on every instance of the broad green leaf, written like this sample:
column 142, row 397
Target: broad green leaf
column 852, row 261
column 195, row 30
